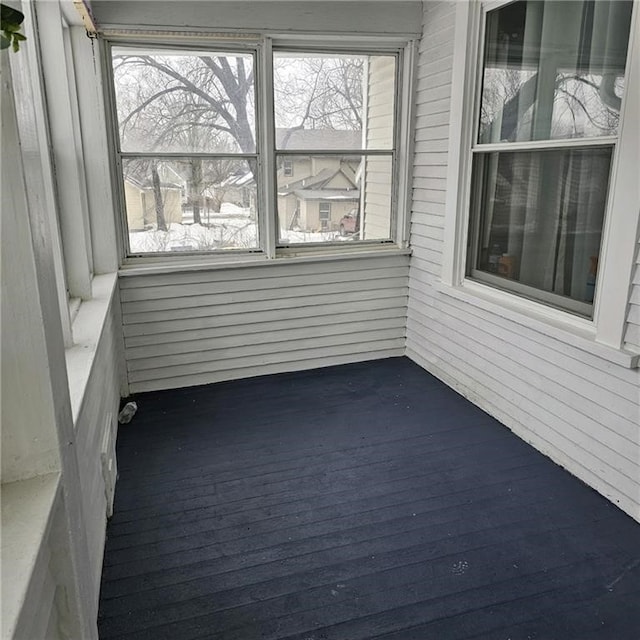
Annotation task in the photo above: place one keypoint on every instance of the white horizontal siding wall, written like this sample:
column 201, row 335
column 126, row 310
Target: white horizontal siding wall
column 198, row 327
column 632, row 334
column 580, row 410
column 95, row 428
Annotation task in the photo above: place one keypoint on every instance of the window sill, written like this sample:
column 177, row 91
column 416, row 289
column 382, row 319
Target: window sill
column 87, row 328
column 238, row 262
column 577, row 332
column 27, row 508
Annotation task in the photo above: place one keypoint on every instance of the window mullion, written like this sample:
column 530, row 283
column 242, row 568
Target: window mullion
column 405, row 109
column 266, row 150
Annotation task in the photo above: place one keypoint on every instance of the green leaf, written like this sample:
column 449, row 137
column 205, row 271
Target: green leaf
column 10, row 21
column 10, row 15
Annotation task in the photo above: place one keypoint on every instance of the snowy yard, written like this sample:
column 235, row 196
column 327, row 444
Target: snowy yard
column 231, row 228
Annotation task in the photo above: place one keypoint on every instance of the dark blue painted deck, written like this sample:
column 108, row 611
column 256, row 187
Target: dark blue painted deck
column 362, row 501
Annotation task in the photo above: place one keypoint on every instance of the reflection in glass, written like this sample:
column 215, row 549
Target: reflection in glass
column 169, row 102
column 536, row 229
column 333, row 198
column 554, row 70
column 190, row 204
column 320, row 100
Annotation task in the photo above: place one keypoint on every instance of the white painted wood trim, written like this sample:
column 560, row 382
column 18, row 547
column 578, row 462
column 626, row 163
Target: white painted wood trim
column 27, row 510
column 35, row 139
column 69, row 181
column 405, row 109
column 620, row 234
column 267, row 196
column 365, row 43
column 77, row 141
column 533, row 145
column 364, row 252
column 87, row 329
column 88, row 75
column 287, row 18
column 466, row 42
column 113, row 147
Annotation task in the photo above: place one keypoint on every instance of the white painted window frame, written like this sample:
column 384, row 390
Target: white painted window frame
column 619, row 236
column 406, row 51
column 63, row 77
column 319, row 47
column 62, row 108
column 231, row 48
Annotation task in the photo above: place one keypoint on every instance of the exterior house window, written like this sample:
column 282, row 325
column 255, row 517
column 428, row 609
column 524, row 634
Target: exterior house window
column 200, row 139
column 335, row 120
column 324, row 214
column 553, row 78
column 187, row 148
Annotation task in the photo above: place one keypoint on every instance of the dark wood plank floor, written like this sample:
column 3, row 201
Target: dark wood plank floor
column 361, row 501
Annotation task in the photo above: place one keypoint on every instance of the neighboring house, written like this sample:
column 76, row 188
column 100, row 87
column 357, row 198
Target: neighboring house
column 141, row 204
column 238, row 189
column 319, row 201
column 315, row 191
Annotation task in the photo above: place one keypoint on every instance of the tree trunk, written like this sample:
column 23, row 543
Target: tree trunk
column 196, row 188
column 157, row 198
column 217, row 199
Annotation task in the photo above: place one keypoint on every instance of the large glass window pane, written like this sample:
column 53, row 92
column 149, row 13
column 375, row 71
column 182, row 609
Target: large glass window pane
column 537, row 221
column 334, row 102
column 190, row 204
column 184, row 102
column 324, row 198
column 553, row 70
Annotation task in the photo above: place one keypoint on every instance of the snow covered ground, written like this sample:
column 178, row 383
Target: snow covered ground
column 232, row 228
